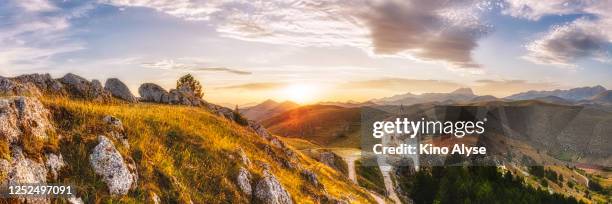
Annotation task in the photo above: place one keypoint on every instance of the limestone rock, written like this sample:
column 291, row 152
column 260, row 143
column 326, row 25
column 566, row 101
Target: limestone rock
column 82, row 88
column 269, row 190
column 23, row 171
column 150, row 92
column 43, row 82
column 109, row 164
column 12, row 88
column 260, row 130
column 244, row 181
column 23, row 114
column 55, row 162
column 119, row 89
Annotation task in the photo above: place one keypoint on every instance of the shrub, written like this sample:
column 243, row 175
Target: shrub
column 192, row 83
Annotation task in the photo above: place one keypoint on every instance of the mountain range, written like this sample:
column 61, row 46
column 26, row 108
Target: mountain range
column 267, row 109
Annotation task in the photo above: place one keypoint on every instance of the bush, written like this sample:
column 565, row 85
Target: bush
column 192, row 83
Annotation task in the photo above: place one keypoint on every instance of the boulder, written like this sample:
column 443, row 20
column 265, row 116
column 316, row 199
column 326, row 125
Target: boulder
column 269, row 190
column 12, row 88
column 23, row 114
column 55, row 162
column 43, row 82
column 109, row 164
column 119, row 89
column 23, row 171
column 80, row 87
column 150, row 92
column 243, row 179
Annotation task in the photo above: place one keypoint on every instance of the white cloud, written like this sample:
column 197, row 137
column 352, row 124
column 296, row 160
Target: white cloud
column 589, row 37
column 430, row 30
column 33, row 32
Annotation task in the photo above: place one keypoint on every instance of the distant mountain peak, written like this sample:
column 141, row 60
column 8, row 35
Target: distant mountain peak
column 464, row 91
column 575, row 94
column 268, row 102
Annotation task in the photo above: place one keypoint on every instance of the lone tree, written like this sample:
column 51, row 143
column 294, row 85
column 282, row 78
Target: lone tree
column 189, row 81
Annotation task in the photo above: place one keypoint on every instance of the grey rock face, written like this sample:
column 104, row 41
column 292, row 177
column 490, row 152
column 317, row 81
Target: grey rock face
column 109, row 164
column 153, row 93
column 80, row 87
column 244, row 181
column 21, row 114
column 44, row 82
column 55, row 162
column 10, row 87
column 269, row 190
column 119, row 89
column 260, row 130
column 183, row 96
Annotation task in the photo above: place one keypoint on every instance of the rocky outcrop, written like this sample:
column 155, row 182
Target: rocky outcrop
column 269, row 190
column 10, row 87
column 243, row 179
column 119, row 89
column 43, row 82
column 80, row 87
column 109, row 164
column 19, row 115
column 150, row 92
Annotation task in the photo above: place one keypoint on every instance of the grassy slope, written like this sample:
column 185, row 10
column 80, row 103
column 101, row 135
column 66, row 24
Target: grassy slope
column 182, row 154
column 326, row 125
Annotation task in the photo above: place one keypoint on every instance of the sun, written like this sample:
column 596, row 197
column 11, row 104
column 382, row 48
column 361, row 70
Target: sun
column 300, row 93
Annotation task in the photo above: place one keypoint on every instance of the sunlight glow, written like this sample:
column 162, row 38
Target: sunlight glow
column 300, row 93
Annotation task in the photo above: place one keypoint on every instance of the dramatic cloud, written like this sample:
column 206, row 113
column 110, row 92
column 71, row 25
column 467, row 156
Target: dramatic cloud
column 257, row 86
column 171, row 64
column 403, row 84
column 589, row 37
column 430, row 30
column 565, row 44
column 503, row 88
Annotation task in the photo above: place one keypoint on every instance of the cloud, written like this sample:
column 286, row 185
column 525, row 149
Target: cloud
column 565, row 44
column 502, row 88
column 33, row 31
column 172, row 64
column 403, row 84
column 588, row 37
column 257, row 86
column 429, row 30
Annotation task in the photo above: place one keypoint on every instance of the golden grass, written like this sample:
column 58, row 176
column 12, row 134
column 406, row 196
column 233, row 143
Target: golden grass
column 182, row 153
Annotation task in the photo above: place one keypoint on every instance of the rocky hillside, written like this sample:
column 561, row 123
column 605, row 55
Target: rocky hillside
column 114, row 147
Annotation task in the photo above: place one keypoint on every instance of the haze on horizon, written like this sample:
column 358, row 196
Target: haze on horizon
column 315, row 50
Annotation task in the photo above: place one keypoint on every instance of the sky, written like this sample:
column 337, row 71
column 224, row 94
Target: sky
column 246, row 51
